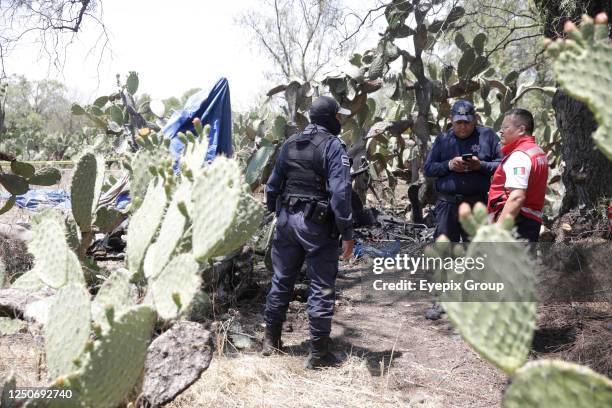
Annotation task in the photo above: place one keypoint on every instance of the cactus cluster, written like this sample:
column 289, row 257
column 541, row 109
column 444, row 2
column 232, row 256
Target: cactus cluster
column 582, row 65
column 502, row 331
column 22, row 176
column 96, row 347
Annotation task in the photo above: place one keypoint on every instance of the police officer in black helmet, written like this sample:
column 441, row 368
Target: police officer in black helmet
column 310, row 191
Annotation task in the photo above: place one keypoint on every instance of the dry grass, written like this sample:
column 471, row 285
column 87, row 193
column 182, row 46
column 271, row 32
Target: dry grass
column 591, row 345
column 248, row 380
column 592, row 348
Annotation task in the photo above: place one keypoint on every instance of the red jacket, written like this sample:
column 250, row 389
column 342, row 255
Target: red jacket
column 536, row 185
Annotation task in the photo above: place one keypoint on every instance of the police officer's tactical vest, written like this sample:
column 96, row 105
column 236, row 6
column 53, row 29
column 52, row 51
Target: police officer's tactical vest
column 536, row 185
column 304, row 166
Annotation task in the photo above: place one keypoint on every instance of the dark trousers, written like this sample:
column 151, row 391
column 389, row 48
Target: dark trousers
column 297, row 240
column 447, row 220
column 528, row 228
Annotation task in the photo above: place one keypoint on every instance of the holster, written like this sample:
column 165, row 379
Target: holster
column 317, row 212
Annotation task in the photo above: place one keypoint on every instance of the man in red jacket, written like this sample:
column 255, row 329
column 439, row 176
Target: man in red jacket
column 519, row 183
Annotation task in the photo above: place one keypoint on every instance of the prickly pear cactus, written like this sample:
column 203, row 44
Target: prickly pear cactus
column 501, row 331
column 28, row 282
column 558, row 384
column 85, row 189
column 195, row 152
column 141, row 175
column 216, row 196
column 67, row 329
column 112, row 367
column 170, row 233
column 11, row 326
column 115, row 292
column 107, row 219
column 55, row 263
column 175, row 287
column 144, row 224
column 582, row 65
column 247, row 220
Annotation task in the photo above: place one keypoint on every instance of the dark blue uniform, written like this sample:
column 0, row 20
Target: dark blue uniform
column 454, row 187
column 300, row 239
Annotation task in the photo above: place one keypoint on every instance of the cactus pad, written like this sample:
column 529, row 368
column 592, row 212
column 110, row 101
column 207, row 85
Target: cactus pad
column 216, row 196
column 85, row 188
column 107, row 219
column 501, row 329
column 195, row 153
column 558, row 384
column 247, row 220
column 67, row 329
column 55, row 263
column 113, row 367
column 582, row 66
column 29, row 281
column 11, row 326
column 179, row 281
column 46, row 177
column 141, row 176
column 116, row 292
column 170, row 233
column 144, row 225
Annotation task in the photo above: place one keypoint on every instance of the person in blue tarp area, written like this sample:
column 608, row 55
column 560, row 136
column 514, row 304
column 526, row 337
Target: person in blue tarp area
column 214, row 108
column 462, row 160
column 310, row 191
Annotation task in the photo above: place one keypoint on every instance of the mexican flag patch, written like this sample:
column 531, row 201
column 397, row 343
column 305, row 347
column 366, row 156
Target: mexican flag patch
column 519, row 171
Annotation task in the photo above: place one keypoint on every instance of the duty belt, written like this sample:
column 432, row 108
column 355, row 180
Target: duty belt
column 460, row 198
column 315, row 209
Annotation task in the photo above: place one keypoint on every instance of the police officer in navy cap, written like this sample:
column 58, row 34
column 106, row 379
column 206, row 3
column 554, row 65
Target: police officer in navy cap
column 462, row 160
column 310, row 191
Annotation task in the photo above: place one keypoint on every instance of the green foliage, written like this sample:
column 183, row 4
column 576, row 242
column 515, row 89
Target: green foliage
column 213, row 219
column 144, row 224
column 85, row 189
column 175, row 287
column 115, row 292
column 55, row 264
column 10, row 326
column 112, row 367
column 67, row 329
column 580, row 64
column 502, row 331
column 557, row 384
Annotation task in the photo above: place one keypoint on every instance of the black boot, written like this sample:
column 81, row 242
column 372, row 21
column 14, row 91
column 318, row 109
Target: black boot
column 320, row 355
column 272, row 341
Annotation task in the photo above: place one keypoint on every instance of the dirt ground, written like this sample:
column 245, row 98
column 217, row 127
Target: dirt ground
column 392, row 356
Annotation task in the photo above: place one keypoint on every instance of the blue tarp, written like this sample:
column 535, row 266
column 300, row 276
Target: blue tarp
column 213, row 108
column 36, row 200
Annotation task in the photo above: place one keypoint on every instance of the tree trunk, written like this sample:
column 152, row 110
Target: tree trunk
column 588, row 173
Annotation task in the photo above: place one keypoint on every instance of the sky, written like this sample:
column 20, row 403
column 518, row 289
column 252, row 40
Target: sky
column 188, row 44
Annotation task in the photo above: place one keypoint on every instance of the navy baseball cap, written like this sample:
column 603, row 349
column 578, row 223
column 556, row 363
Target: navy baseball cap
column 326, row 105
column 463, row 110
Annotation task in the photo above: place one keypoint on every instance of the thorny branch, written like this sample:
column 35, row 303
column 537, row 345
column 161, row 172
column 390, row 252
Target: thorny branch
column 51, row 20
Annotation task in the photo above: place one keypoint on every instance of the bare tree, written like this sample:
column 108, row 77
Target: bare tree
column 299, row 36
column 53, row 24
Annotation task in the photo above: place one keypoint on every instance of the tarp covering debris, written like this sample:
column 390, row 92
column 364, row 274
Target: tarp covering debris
column 213, row 107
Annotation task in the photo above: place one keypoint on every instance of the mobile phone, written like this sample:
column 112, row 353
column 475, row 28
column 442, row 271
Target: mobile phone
column 466, row 156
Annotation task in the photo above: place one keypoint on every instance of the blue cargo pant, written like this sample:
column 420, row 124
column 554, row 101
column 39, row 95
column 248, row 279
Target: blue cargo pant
column 297, row 240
